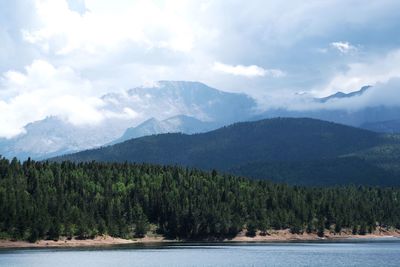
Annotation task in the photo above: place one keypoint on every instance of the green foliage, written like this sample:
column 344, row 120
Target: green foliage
column 251, row 229
column 46, row 200
column 34, row 236
column 322, row 172
column 338, row 227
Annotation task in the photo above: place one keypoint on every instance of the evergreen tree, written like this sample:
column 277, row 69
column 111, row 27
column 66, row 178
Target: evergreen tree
column 46, row 200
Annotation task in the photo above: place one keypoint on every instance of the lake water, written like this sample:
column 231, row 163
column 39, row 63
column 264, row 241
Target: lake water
column 366, row 253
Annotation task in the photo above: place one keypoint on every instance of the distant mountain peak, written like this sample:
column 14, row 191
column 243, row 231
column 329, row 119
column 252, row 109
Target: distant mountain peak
column 175, row 124
column 175, row 87
column 340, row 95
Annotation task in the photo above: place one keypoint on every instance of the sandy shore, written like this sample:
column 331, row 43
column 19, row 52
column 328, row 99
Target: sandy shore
column 286, row 235
column 98, row 241
column 272, row 236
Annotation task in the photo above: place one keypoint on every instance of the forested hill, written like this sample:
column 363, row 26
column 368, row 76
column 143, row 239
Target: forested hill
column 47, row 200
column 263, row 149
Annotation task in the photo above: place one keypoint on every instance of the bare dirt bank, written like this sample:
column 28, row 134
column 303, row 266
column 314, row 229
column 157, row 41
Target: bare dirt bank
column 98, row 241
column 286, row 235
column 271, row 236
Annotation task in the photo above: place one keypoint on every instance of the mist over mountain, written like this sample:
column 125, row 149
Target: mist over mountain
column 166, row 99
column 370, row 104
column 176, row 124
column 52, row 136
column 186, row 107
column 356, row 118
column 392, row 126
column 341, row 95
column 175, row 106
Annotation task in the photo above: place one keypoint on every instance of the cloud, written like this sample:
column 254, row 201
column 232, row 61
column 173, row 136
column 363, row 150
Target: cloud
column 381, row 94
column 344, row 47
column 77, row 6
column 120, row 43
column 247, row 71
column 43, row 90
column 358, row 74
column 103, row 27
column 92, row 47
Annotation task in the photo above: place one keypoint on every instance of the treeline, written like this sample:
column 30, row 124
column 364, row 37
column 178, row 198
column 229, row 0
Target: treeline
column 48, row 200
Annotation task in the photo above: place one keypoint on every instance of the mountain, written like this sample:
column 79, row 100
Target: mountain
column 339, row 108
column 53, row 136
column 166, row 99
column 392, row 126
column 355, row 118
column 175, row 106
column 271, row 142
column 325, row 172
column 176, row 124
column 341, row 95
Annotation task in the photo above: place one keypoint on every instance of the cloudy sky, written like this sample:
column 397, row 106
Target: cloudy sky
column 58, row 56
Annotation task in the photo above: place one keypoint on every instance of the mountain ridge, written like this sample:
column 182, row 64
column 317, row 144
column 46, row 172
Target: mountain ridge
column 271, row 140
column 339, row 95
column 171, row 103
column 390, row 126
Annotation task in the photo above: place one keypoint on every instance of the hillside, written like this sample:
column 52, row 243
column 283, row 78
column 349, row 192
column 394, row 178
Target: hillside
column 48, row 201
column 264, row 145
column 326, row 172
column 392, row 126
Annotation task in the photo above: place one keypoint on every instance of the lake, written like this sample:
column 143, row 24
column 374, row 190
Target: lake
column 360, row 253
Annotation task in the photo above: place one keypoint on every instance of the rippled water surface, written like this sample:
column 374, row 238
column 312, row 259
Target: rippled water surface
column 366, row 253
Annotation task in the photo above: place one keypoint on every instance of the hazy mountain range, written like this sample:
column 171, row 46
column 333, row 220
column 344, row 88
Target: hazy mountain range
column 328, row 109
column 391, row 126
column 180, row 123
column 178, row 106
column 166, row 106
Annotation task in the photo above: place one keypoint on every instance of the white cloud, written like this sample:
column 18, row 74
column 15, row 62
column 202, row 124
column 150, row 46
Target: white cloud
column 381, row 94
column 247, row 71
column 357, row 75
column 91, row 47
column 104, row 27
column 44, row 90
column 344, row 47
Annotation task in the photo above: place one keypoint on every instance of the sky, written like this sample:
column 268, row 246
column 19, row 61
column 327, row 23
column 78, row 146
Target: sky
column 58, row 56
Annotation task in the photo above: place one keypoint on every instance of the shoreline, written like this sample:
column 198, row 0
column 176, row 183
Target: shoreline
column 275, row 236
